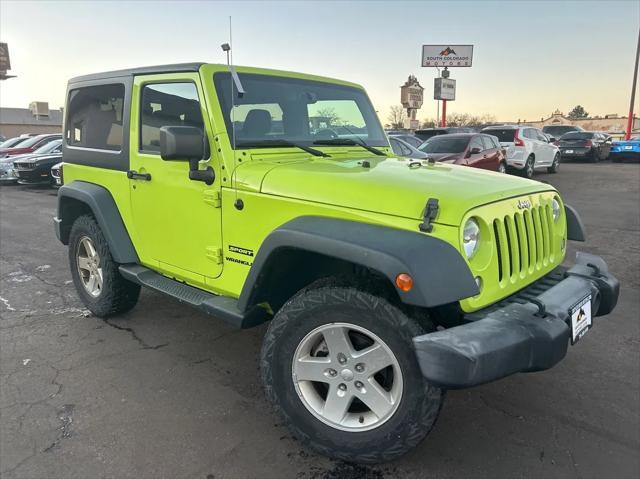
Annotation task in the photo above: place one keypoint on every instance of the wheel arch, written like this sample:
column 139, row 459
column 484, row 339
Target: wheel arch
column 308, row 248
column 79, row 198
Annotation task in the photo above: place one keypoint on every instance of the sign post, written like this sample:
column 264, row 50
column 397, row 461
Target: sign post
column 411, row 94
column 444, row 88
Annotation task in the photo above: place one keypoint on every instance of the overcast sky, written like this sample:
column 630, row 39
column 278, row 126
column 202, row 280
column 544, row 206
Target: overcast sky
column 529, row 58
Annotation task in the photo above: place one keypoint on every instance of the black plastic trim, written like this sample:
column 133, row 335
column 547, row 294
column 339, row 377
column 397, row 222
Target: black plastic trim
column 439, row 272
column 223, row 307
column 522, row 336
column 575, row 226
column 106, row 212
column 150, row 70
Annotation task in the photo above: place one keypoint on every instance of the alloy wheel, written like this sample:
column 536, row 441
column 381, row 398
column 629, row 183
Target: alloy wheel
column 89, row 269
column 347, row 377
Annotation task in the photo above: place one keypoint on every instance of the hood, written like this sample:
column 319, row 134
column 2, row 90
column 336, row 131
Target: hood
column 387, row 186
column 14, row 151
column 445, row 156
column 39, row 158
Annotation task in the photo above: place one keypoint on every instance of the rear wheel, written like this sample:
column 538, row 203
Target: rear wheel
column 338, row 364
column 529, row 168
column 502, row 168
column 95, row 274
column 555, row 165
column 595, row 155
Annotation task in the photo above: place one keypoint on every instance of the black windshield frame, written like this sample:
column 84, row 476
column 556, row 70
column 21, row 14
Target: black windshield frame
column 375, row 135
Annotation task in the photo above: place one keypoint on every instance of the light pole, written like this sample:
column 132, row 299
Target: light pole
column 633, row 92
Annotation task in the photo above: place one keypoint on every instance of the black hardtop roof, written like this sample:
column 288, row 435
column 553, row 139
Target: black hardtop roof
column 172, row 68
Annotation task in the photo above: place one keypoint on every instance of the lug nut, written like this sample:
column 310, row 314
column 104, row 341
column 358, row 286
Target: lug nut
column 358, row 384
column 359, row 367
column 342, row 358
column 342, row 387
column 332, row 372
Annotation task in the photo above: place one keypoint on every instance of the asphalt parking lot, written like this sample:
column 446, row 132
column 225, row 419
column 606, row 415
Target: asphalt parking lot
column 167, row 392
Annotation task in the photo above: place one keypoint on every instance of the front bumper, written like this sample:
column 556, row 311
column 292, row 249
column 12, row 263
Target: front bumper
column 529, row 331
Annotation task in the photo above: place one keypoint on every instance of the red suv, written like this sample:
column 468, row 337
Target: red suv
column 470, row 149
column 29, row 145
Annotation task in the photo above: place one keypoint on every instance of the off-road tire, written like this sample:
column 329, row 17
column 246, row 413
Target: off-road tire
column 555, row 165
column 420, row 403
column 529, row 168
column 118, row 295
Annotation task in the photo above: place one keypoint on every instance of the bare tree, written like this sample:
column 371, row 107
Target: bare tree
column 396, row 116
column 330, row 115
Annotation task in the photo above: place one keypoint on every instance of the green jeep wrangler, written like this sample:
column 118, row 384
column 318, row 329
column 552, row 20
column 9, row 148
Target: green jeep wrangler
column 259, row 195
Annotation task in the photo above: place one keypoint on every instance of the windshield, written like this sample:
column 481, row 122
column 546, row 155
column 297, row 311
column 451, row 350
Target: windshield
column 577, row 135
column 304, row 112
column 49, row 147
column 558, row 131
column 445, row 144
column 29, row 142
column 11, row 142
column 506, row 135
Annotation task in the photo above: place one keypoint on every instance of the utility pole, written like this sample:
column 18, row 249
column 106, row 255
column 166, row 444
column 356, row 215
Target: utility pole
column 633, row 91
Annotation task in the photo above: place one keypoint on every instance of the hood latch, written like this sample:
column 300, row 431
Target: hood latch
column 430, row 214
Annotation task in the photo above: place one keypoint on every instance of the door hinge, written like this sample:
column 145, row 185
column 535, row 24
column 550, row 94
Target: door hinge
column 214, row 254
column 213, row 198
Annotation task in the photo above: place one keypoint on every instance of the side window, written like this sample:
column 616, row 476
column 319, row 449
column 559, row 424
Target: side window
column 476, row 142
column 167, row 104
column 405, row 150
column 542, row 136
column 94, row 117
column 487, row 142
column 395, row 146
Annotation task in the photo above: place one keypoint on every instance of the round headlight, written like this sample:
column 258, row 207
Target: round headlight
column 555, row 208
column 470, row 237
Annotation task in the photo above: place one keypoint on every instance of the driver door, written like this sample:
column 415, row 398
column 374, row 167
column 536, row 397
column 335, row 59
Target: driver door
column 177, row 221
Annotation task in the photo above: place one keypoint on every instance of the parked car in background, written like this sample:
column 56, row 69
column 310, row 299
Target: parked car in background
column 431, row 132
column 36, row 170
column 2, row 138
column 7, row 169
column 12, row 142
column 470, row 149
column 527, row 149
column 556, row 131
column 56, row 174
column 30, row 144
column 588, row 145
column 625, row 149
column 408, row 138
column 403, row 148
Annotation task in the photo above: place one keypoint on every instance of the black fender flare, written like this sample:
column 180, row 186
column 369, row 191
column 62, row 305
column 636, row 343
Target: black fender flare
column 99, row 200
column 575, row 227
column 440, row 273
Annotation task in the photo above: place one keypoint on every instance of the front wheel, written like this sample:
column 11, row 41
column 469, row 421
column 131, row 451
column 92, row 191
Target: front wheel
column 555, row 165
column 95, row 274
column 338, row 364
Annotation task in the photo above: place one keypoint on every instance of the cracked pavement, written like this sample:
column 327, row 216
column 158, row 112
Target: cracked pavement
column 167, row 392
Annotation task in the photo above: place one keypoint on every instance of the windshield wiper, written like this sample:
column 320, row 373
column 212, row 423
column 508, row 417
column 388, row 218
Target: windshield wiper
column 276, row 143
column 350, row 142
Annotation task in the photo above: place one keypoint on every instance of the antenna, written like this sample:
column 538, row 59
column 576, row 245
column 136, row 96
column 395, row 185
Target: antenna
column 235, row 81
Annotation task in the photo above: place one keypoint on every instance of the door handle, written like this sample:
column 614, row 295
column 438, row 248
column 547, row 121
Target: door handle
column 134, row 175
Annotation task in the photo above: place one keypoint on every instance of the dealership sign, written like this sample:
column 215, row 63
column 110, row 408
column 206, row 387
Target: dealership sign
column 447, row 55
column 444, row 89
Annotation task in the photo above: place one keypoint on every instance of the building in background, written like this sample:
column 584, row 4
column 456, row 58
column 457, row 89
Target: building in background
column 611, row 123
column 36, row 119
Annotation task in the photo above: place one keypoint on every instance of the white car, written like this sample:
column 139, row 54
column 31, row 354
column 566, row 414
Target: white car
column 527, row 148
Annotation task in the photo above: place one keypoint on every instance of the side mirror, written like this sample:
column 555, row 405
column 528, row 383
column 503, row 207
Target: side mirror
column 180, row 143
column 552, row 139
column 474, row 151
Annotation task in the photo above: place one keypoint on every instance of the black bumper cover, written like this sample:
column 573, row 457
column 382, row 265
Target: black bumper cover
column 522, row 334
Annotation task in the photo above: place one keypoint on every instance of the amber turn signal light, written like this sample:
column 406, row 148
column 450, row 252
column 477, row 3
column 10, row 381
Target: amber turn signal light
column 404, row 282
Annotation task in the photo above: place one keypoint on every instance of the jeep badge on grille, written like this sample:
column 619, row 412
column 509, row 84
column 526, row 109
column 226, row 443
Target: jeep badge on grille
column 524, row 204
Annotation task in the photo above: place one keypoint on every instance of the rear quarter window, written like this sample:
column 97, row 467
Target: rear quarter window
column 506, row 135
column 94, row 117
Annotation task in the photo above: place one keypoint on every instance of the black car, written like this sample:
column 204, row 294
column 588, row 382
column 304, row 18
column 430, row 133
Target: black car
column 589, row 145
column 556, row 131
column 431, row 132
column 36, row 170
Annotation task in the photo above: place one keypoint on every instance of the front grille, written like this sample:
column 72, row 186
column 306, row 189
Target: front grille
column 24, row 166
column 523, row 242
